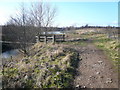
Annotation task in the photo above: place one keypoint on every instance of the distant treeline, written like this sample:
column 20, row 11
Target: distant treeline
column 27, row 34
column 13, row 33
column 82, row 27
column 16, row 33
column 107, row 27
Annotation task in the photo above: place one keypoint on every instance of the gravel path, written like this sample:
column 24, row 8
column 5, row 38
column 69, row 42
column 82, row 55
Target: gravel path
column 95, row 70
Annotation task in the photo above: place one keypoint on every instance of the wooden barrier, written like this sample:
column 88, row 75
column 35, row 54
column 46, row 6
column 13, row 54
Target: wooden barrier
column 50, row 37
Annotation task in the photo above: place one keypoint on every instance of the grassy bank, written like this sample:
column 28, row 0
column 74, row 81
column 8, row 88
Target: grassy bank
column 48, row 66
column 109, row 46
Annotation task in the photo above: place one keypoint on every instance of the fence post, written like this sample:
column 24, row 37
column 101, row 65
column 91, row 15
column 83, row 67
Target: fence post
column 37, row 39
column 63, row 37
column 53, row 38
column 45, row 39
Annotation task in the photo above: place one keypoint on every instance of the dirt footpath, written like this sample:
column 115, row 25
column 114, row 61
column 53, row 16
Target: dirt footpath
column 95, row 70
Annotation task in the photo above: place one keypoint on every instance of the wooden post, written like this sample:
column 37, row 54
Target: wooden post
column 53, row 38
column 37, row 39
column 39, row 35
column 63, row 37
column 45, row 39
column 40, row 38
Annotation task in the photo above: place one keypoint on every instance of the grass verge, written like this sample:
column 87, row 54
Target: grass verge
column 48, row 66
column 110, row 46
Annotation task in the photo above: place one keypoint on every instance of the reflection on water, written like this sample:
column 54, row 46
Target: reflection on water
column 10, row 53
column 15, row 52
column 54, row 32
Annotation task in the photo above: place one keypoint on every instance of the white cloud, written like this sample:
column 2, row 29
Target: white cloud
column 115, row 22
column 5, row 13
column 3, row 16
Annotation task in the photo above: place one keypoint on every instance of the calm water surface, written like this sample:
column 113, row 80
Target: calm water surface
column 10, row 53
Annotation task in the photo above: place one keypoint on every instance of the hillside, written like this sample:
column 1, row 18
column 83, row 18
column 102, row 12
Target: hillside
column 49, row 66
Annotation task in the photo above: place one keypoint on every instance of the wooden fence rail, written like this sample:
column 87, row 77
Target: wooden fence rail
column 50, row 37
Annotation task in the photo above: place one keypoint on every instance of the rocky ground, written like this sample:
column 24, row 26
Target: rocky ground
column 95, row 69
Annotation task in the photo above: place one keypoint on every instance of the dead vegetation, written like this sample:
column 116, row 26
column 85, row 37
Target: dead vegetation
column 48, row 66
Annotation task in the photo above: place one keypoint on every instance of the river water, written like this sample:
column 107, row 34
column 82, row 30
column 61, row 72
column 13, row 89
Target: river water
column 10, row 53
column 14, row 52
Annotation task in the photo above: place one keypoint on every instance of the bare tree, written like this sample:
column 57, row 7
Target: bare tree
column 39, row 15
column 42, row 15
column 21, row 20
